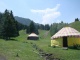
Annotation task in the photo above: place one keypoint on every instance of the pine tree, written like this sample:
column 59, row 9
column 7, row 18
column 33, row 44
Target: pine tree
column 5, row 30
column 28, row 30
column 41, row 26
column 1, row 23
column 76, row 19
column 32, row 27
column 14, row 25
column 9, row 26
column 17, row 28
column 47, row 27
column 36, row 30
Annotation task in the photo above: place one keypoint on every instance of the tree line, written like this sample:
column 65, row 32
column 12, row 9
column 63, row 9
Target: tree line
column 33, row 27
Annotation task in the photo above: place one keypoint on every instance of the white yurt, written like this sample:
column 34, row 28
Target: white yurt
column 33, row 36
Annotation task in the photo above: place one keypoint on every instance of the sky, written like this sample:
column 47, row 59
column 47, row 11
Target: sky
column 44, row 11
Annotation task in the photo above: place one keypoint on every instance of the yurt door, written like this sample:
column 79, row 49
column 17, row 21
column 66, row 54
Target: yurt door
column 65, row 42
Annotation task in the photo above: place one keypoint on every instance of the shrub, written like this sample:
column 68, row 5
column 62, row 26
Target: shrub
column 75, row 46
column 54, row 46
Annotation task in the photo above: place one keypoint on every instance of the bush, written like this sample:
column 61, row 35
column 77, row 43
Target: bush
column 54, row 46
column 75, row 46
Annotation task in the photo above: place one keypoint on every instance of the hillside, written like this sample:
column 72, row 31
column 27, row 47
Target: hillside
column 24, row 21
column 75, row 25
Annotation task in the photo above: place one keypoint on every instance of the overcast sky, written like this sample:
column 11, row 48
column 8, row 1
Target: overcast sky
column 44, row 11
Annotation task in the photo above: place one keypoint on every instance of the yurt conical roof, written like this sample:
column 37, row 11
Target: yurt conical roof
column 67, row 32
column 33, row 35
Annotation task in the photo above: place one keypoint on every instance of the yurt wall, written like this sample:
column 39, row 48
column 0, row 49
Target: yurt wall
column 57, row 42
column 73, row 40
column 70, row 41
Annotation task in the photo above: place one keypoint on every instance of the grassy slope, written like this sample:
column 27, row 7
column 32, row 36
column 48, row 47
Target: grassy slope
column 9, row 49
column 23, row 47
column 76, row 25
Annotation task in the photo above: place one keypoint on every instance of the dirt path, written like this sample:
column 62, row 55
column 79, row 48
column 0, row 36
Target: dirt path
column 2, row 57
column 46, row 34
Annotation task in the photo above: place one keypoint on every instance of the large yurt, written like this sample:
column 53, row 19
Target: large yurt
column 66, row 37
column 33, row 36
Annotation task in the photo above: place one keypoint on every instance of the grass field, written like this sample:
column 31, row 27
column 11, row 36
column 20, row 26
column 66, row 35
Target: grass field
column 22, row 49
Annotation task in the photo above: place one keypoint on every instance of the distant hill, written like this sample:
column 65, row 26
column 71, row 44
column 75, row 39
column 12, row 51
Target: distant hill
column 76, row 25
column 22, row 20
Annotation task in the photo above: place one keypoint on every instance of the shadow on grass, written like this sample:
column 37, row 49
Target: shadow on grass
column 8, row 39
column 11, row 39
column 33, row 39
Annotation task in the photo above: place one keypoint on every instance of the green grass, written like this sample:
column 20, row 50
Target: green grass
column 23, row 47
column 9, row 49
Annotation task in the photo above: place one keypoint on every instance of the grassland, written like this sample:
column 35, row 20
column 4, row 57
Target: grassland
column 20, row 48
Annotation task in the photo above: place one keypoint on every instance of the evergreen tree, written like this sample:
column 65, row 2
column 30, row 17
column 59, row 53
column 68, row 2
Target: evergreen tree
column 41, row 26
column 17, row 28
column 5, row 30
column 36, row 30
column 28, row 30
column 32, row 27
column 76, row 19
column 14, row 25
column 47, row 27
column 1, row 23
column 9, row 26
column 1, row 17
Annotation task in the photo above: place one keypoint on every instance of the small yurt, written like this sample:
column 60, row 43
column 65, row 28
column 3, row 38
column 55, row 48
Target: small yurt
column 66, row 37
column 33, row 36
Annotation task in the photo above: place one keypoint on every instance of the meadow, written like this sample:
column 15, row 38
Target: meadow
column 20, row 48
